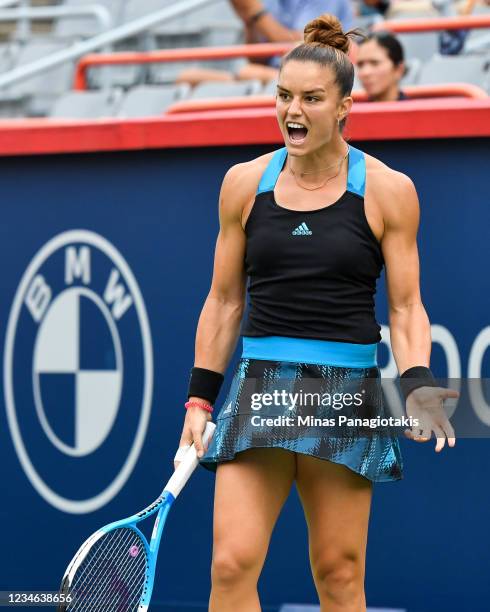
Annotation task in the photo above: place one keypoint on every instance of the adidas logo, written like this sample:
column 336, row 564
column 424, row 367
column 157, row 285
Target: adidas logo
column 228, row 408
column 302, row 230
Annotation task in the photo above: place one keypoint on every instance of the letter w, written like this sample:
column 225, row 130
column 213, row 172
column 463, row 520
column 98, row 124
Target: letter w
column 115, row 294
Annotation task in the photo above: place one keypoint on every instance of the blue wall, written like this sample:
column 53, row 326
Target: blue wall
column 429, row 534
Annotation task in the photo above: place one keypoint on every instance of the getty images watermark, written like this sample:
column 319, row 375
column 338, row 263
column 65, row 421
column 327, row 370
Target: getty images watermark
column 312, row 407
column 296, row 416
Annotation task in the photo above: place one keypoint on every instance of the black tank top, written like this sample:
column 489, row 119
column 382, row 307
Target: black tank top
column 312, row 274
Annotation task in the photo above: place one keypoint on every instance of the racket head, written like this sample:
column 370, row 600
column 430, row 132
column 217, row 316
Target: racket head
column 112, row 570
column 116, row 562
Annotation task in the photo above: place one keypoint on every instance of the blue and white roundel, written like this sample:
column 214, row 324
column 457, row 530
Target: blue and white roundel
column 78, row 371
column 77, row 384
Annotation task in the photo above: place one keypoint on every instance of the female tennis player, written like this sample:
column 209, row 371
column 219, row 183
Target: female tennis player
column 311, row 225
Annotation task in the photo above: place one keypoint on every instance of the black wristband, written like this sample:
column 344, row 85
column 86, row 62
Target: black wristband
column 413, row 378
column 256, row 16
column 205, row 383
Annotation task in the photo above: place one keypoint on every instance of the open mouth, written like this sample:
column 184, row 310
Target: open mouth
column 297, row 132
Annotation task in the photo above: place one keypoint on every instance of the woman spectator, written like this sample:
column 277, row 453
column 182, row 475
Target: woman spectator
column 381, row 66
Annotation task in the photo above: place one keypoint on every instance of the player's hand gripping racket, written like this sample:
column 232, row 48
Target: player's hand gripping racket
column 114, row 568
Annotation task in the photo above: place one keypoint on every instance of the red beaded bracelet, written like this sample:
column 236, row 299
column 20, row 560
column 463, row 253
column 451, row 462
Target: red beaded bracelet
column 207, row 407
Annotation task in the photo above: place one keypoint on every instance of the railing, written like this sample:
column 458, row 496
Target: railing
column 26, row 14
column 464, row 22
column 468, row 22
column 263, row 49
column 6, row 3
column 24, row 26
column 101, row 41
column 445, row 90
column 414, row 92
column 174, row 55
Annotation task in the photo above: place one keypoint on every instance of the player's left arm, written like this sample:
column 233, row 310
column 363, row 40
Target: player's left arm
column 409, row 324
column 408, row 320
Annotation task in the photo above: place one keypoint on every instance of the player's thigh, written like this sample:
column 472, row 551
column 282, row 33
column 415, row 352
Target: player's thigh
column 250, row 491
column 336, row 503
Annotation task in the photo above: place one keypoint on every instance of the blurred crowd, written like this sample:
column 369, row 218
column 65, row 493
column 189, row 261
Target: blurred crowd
column 380, row 61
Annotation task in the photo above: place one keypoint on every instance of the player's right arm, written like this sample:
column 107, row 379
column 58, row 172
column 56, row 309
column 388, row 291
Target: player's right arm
column 219, row 322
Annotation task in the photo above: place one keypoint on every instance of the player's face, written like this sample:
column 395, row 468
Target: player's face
column 375, row 69
column 308, row 96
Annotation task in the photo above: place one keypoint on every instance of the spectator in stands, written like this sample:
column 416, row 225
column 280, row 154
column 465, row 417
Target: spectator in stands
column 380, row 67
column 451, row 42
column 271, row 21
column 374, row 7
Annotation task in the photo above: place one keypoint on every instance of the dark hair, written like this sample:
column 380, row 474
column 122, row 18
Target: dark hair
column 389, row 42
column 327, row 44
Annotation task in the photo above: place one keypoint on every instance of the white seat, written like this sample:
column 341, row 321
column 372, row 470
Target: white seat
column 472, row 69
column 84, row 105
column 270, row 88
column 421, row 46
column 40, row 90
column 150, row 101
column 67, row 27
column 226, row 89
column 218, row 13
column 413, row 68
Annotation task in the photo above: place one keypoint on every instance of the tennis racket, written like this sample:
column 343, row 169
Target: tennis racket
column 114, row 569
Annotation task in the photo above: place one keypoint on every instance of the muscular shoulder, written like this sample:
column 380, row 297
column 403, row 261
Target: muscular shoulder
column 246, row 176
column 240, row 185
column 393, row 192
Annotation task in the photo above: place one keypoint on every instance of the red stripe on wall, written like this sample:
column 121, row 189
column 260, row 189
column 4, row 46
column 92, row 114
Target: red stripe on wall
column 441, row 118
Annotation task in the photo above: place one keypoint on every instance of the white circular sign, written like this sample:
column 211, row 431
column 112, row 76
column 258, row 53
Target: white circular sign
column 78, row 371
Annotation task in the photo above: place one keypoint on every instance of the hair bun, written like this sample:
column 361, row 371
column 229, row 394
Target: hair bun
column 326, row 30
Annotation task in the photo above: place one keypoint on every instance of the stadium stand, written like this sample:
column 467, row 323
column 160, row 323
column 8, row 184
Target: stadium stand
column 85, row 105
column 456, row 69
column 140, row 101
column 420, row 46
column 34, row 96
column 214, row 25
column 69, row 28
column 221, row 89
column 147, row 90
column 149, row 101
column 270, row 88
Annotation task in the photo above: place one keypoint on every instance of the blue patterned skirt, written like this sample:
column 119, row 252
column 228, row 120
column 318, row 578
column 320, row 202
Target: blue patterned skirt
column 289, row 404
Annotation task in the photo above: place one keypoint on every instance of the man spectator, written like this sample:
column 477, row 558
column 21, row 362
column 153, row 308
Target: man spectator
column 271, row 21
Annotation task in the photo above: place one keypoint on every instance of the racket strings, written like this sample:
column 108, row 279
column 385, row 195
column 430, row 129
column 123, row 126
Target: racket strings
column 107, row 586
column 89, row 590
column 132, row 577
column 111, row 586
column 84, row 572
column 84, row 577
column 115, row 589
column 112, row 576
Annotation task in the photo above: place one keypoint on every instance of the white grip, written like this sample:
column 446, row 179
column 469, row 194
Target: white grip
column 188, row 464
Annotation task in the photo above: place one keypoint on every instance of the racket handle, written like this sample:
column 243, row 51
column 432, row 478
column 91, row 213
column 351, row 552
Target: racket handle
column 188, row 464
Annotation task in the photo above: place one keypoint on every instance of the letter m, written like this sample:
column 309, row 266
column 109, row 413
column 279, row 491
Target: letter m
column 77, row 265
